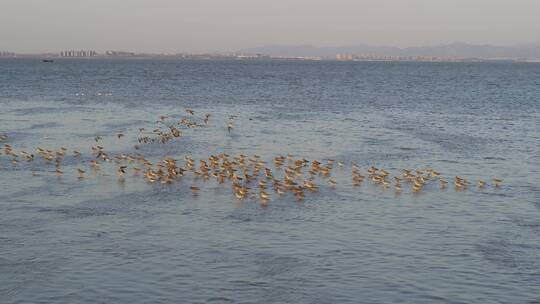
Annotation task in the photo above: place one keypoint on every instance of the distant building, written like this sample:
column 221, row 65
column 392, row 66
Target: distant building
column 5, row 54
column 80, row 53
column 119, row 54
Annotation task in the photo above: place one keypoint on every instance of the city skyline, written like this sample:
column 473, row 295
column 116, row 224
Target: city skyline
column 454, row 52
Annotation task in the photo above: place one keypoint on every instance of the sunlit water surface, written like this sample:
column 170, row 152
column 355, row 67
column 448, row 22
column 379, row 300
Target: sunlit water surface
column 95, row 240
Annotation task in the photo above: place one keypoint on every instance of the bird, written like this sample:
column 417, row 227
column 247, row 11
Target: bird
column 332, row 183
column 263, row 195
column 442, row 183
column 249, row 176
column 195, row 190
column 121, row 171
column 459, row 183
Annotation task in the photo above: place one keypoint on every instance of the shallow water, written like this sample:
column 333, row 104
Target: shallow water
column 65, row 240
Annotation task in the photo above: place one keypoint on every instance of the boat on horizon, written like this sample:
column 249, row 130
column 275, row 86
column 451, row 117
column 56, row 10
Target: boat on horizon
column 47, row 60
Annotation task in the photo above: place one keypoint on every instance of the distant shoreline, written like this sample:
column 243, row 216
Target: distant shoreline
column 250, row 59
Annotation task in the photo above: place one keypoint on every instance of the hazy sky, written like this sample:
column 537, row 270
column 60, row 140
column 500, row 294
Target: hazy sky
column 206, row 25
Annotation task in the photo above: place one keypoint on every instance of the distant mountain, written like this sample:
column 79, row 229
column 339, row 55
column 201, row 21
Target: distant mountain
column 458, row 49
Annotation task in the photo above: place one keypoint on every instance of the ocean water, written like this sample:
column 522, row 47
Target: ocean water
column 99, row 240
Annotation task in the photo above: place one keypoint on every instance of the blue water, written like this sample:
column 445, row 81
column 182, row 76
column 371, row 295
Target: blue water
column 98, row 240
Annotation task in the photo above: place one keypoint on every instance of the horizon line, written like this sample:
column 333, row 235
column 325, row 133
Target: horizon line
column 210, row 51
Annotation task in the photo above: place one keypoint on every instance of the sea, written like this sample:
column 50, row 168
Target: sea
column 99, row 239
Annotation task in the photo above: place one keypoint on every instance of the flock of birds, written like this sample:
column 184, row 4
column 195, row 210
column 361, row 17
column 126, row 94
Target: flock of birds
column 250, row 177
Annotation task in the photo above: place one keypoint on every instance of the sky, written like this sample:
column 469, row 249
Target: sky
column 228, row 25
